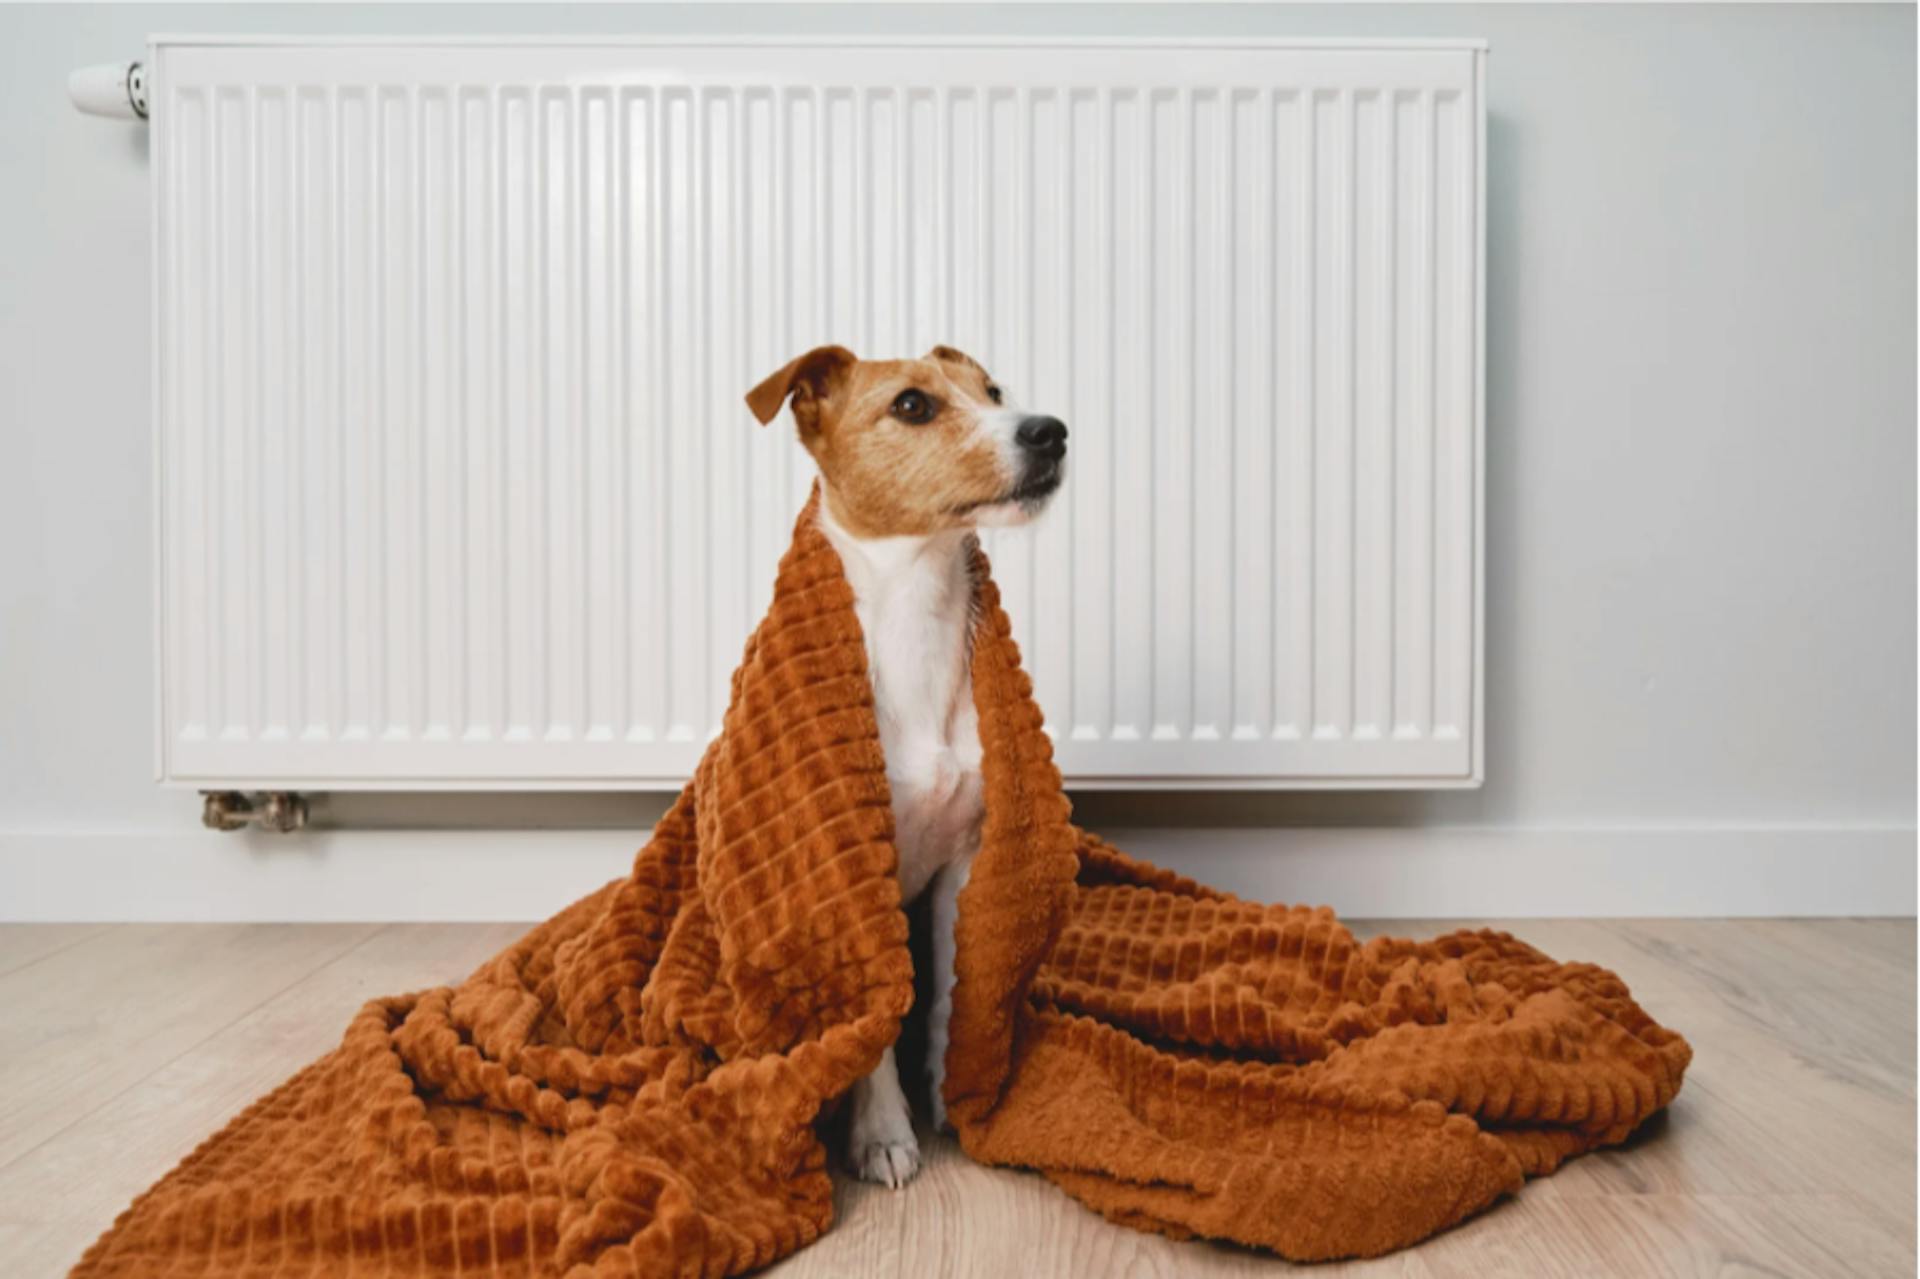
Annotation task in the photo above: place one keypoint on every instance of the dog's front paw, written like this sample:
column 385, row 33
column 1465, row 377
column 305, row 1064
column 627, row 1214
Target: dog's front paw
column 886, row 1163
column 881, row 1147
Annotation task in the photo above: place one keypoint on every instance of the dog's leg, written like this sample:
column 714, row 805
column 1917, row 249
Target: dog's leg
column 944, row 915
column 881, row 1146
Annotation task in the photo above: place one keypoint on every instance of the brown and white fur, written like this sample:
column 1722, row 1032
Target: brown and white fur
column 914, row 455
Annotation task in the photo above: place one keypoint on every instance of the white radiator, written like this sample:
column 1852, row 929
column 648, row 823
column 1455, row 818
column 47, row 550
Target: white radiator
column 456, row 487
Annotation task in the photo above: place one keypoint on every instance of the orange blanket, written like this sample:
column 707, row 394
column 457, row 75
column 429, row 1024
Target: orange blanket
column 637, row 1087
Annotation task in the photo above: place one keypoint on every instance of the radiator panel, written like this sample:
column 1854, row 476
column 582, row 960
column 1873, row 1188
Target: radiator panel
column 455, row 483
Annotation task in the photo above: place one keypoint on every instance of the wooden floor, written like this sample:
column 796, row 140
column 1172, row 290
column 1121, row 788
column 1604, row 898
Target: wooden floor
column 1790, row 1152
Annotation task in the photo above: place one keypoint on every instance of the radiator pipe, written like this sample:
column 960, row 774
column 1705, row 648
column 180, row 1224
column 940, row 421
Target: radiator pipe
column 282, row 811
column 117, row 90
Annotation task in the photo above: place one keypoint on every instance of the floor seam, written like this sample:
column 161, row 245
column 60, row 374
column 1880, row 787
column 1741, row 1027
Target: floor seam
column 81, row 940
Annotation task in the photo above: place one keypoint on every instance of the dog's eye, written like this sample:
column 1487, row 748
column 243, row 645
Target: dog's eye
column 993, row 393
column 915, row 408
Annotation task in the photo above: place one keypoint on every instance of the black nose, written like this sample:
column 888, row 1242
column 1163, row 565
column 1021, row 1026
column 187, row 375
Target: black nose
column 1045, row 436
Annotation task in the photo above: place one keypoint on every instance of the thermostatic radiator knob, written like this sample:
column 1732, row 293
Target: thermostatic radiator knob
column 116, row 89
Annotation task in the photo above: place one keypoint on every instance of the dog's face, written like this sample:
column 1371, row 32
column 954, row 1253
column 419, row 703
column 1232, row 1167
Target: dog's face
column 911, row 447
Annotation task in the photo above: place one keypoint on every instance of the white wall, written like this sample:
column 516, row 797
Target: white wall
column 1700, row 508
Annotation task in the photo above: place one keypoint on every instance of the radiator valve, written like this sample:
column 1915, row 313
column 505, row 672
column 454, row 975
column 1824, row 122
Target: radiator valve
column 114, row 89
column 282, row 811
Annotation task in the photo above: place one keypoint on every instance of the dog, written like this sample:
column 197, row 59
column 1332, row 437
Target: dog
column 914, row 456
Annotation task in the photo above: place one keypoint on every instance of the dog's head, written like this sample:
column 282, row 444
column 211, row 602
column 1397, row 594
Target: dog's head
column 911, row 447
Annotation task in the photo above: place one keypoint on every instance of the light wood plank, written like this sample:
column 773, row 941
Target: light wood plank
column 1847, row 946
column 82, row 1025
column 24, row 944
column 56, row 1199
column 1670, row 1237
column 1733, row 957
column 1790, row 1152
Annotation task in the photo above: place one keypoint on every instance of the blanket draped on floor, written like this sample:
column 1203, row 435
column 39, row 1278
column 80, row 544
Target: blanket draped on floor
column 637, row 1087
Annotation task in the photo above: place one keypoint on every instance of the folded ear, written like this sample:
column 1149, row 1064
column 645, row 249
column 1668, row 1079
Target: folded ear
column 953, row 355
column 808, row 378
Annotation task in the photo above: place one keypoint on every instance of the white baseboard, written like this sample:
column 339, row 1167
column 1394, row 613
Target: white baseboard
column 1517, row 873
column 1384, row 873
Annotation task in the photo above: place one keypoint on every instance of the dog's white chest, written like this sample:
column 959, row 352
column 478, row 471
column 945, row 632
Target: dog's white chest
column 913, row 597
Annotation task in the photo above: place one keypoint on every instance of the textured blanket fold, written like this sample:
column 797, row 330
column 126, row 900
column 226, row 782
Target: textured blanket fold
column 637, row 1087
